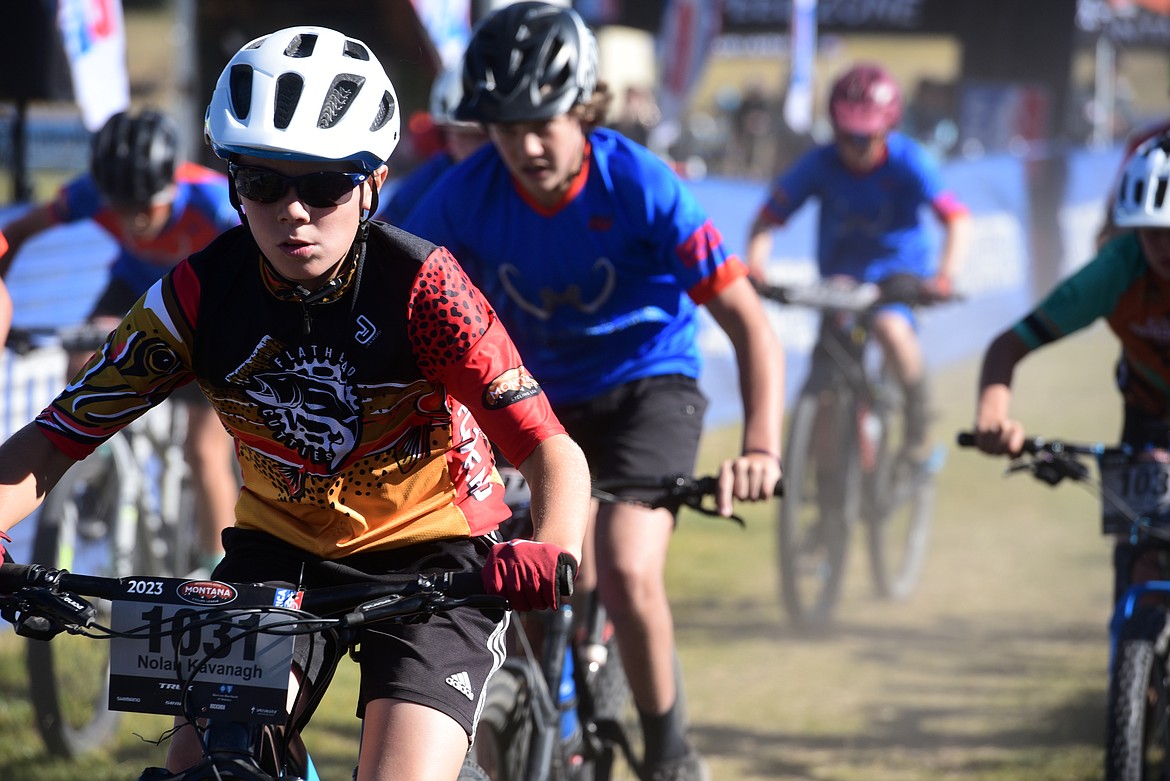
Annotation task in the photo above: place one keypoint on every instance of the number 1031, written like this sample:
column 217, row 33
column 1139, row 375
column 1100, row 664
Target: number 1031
column 186, row 628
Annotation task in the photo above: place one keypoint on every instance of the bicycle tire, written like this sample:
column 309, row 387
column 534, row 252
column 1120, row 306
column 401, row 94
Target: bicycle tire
column 504, row 729
column 899, row 504
column 78, row 528
column 615, row 719
column 1137, row 744
column 820, row 503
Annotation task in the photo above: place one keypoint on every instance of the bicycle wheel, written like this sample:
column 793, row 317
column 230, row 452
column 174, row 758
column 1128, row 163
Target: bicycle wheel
column 1137, row 744
column 87, row 525
column 504, row 730
column 899, row 502
column 821, row 498
column 615, row 722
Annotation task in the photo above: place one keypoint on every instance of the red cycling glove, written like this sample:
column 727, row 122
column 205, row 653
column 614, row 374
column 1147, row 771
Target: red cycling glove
column 532, row 575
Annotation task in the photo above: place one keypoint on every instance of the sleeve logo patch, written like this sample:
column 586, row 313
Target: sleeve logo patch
column 510, row 387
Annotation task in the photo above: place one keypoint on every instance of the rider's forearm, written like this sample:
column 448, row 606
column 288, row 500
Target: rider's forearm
column 759, row 357
column 21, row 230
column 759, row 247
column 955, row 246
column 29, row 467
column 5, row 313
column 558, row 477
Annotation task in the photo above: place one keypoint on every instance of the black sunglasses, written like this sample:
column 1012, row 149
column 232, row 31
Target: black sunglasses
column 320, row 189
column 859, row 140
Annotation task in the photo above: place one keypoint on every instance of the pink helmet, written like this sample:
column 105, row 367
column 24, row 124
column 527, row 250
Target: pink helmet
column 865, row 101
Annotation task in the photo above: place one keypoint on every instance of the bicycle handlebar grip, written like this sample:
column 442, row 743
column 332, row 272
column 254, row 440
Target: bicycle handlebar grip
column 965, row 439
column 14, row 577
column 566, row 574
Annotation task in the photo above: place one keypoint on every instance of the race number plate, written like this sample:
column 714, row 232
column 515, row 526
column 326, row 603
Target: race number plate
column 245, row 680
column 1143, row 485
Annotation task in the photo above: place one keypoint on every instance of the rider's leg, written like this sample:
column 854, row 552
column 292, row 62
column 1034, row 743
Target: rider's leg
column 648, row 427
column 631, row 544
column 894, row 331
column 404, row 741
column 209, row 453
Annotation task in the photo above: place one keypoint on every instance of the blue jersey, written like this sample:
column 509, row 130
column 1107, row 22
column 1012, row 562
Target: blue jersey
column 871, row 224
column 601, row 289
column 409, row 190
column 200, row 211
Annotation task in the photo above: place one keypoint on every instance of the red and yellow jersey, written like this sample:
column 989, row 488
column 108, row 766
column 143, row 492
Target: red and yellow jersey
column 356, row 412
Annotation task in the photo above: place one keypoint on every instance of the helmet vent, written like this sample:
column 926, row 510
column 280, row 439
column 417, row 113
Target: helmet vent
column 386, row 109
column 288, row 95
column 355, row 50
column 256, row 44
column 241, row 90
column 301, row 46
column 339, row 98
column 1160, row 193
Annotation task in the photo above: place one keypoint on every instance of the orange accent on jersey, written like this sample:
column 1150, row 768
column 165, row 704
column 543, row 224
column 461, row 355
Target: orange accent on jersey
column 697, row 247
column 724, row 275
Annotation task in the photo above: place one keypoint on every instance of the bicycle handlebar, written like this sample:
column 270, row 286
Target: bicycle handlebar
column 49, row 594
column 669, row 492
column 860, row 297
column 1036, row 445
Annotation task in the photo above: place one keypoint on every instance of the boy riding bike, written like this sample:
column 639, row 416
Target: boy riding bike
column 1127, row 284
column 158, row 210
column 871, row 183
column 360, row 375
column 598, row 259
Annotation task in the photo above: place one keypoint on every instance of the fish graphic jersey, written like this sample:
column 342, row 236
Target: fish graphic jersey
column 357, row 413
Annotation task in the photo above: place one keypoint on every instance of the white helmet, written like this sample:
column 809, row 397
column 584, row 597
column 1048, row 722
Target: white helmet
column 1143, row 196
column 305, row 93
column 446, row 92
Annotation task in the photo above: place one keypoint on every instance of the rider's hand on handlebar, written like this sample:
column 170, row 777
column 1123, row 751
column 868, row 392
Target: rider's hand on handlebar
column 529, row 574
column 1000, row 438
column 751, row 477
column 5, row 556
column 941, row 287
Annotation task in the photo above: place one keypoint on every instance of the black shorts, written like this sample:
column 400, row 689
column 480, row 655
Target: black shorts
column 647, row 428
column 443, row 663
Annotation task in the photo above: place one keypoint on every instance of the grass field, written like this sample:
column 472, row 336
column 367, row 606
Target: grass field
column 993, row 671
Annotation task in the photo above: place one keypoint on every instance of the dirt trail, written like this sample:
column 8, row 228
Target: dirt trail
column 995, row 669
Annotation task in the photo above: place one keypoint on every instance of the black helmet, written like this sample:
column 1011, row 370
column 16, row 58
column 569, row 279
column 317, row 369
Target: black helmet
column 525, row 62
column 133, row 158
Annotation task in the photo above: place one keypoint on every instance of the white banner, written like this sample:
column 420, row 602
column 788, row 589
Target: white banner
column 798, row 102
column 94, row 36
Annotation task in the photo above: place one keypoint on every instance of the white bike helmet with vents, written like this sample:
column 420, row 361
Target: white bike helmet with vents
column 1143, row 195
column 446, row 92
column 305, row 93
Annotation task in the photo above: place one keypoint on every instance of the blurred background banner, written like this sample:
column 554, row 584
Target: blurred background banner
column 94, row 37
column 688, row 29
column 449, row 24
column 798, row 102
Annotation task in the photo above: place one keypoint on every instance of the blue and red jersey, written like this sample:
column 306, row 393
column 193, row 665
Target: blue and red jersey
column 411, row 188
column 870, row 225
column 201, row 211
column 601, row 289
